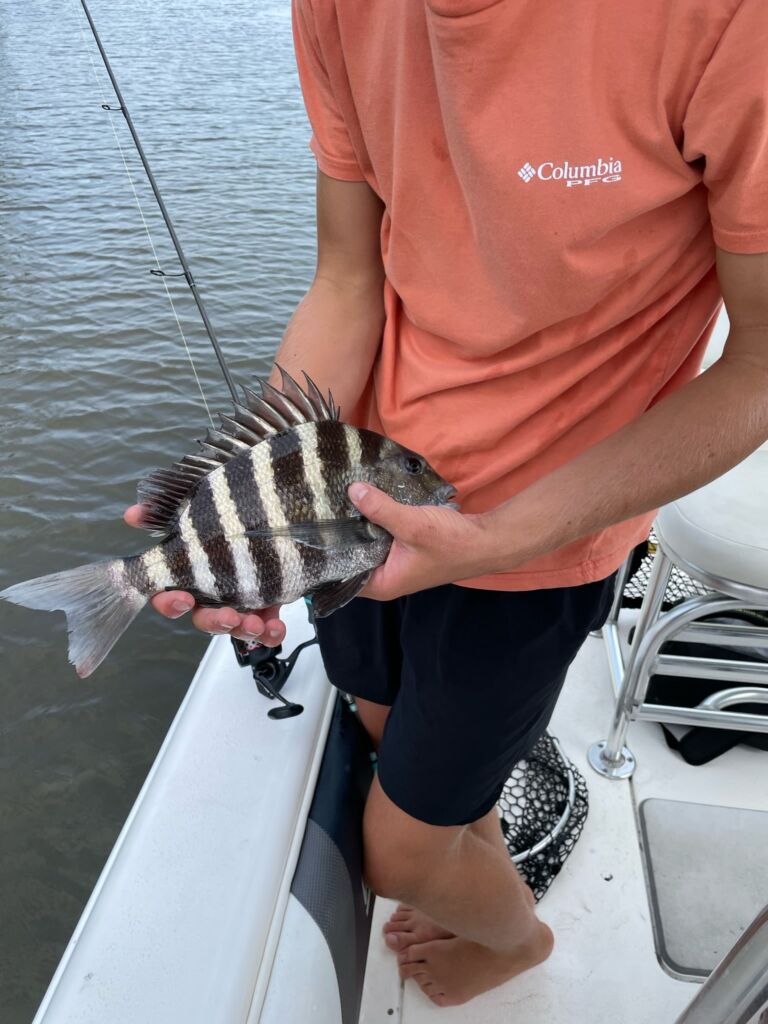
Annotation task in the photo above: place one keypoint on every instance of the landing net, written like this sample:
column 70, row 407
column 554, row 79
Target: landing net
column 544, row 803
column 543, row 809
column 679, row 588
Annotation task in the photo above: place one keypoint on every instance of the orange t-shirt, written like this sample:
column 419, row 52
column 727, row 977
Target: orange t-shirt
column 555, row 178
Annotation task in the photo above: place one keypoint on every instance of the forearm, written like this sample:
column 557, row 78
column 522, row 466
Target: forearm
column 335, row 333
column 679, row 445
column 334, row 336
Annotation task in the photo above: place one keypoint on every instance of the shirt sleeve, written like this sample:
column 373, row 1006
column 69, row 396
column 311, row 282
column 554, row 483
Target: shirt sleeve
column 726, row 124
column 330, row 140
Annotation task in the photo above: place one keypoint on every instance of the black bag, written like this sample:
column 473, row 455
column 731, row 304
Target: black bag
column 704, row 743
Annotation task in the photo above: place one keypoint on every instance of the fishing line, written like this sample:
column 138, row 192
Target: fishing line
column 158, row 272
column 105, row 106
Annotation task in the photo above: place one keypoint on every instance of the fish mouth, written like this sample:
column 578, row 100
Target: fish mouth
column 443, row 496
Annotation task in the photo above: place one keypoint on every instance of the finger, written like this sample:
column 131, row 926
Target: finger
column 173, row 603
column 274, row 632
column 133, row 515
column 378, row 587
column 264, row 626
column 379, row 507
column 252, row 627
column 216, row 620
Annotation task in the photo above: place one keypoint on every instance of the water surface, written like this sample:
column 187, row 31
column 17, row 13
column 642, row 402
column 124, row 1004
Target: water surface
column 96, row 389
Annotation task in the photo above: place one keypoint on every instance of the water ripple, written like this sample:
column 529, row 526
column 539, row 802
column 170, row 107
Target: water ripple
column 96, row 390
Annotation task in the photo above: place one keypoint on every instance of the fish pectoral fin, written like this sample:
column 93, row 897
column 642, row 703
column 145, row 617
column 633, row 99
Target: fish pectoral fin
column 332, row 596
column 325, row 534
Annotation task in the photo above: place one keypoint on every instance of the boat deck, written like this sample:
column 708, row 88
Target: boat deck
column 605, row 965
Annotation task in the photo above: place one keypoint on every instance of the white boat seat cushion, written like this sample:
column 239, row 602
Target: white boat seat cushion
column 723, row 528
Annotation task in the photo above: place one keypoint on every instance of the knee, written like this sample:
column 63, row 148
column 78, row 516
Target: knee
column 400, row 851
column 393, row 870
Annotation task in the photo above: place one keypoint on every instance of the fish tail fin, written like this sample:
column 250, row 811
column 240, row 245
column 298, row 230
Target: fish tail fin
column 99, row 603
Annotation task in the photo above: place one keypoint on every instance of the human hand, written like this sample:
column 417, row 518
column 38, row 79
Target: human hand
column 263, row 625
column 431, row 546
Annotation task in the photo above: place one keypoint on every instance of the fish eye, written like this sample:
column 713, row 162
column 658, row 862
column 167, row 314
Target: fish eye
column 413, row 465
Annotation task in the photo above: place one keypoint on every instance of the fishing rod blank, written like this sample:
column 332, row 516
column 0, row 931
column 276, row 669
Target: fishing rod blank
column 166, row 216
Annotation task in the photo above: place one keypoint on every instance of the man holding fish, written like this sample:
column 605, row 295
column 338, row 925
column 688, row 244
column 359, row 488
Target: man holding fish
column 526, row 217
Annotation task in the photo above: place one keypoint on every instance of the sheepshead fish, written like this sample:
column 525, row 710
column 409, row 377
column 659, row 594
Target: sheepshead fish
column 259, row 516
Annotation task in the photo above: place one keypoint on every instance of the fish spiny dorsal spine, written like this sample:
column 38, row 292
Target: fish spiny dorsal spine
column 164, row 492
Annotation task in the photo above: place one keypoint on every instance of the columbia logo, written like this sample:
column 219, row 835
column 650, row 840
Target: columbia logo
column 602, row 169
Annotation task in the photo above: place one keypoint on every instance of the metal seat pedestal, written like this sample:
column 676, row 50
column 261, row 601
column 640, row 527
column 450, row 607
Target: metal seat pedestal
column 610, row 757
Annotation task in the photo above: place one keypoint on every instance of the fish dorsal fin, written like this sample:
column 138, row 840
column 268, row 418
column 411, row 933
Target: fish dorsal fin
column 163, row 493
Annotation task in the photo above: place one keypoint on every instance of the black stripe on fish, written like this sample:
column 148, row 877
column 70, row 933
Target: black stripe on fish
column 204, row 518
column 297, row 498
column 251, row 512
column 332, row 442
column 334, row 457
column 136, row 574
column 370, row 444
column 177, row 560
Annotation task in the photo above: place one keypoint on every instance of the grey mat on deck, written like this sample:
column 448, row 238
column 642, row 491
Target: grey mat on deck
column 708, row 873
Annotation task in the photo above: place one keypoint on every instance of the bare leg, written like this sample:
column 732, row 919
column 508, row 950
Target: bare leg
column 408, row 925
column 467, row 885
column 374, row 718
column 450, row 969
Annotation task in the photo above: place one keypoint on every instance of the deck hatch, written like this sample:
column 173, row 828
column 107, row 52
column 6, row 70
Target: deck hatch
column 706, row 868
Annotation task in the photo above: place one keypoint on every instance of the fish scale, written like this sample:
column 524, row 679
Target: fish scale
column 259, row 516
column 245, row 570
column 315, row 472
column 247, row 500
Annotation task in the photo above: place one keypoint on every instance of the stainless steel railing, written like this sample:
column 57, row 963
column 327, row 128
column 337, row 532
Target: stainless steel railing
column 736, row 992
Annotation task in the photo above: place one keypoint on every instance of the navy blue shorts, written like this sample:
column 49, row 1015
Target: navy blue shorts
column 472, row 677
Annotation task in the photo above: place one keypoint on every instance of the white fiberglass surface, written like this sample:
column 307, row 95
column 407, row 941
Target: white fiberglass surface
column 302, row 984
column 188, row 905
column 604, row 966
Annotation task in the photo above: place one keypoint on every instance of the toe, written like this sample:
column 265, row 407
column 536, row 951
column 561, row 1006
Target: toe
column 413, row 970
column 396, row 923
column 416, row 952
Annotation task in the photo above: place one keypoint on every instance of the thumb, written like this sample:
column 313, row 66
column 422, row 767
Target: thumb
column 378, row 507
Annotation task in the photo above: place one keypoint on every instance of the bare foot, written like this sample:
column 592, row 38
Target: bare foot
column 453, row 971
column 408, row 925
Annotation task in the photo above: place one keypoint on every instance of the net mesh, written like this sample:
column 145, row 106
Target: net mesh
column 544, row 803
column 543, row 808
column 679, row 588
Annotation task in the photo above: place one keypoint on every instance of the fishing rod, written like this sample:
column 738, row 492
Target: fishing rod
column 270, row 672
column 187, row 272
